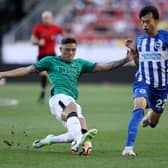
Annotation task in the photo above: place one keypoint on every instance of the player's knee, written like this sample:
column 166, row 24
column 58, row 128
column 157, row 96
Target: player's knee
column 65, row 115
column 72, row 114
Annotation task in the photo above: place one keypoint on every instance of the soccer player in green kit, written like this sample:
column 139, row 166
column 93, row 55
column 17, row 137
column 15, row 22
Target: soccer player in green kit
column 64, row 72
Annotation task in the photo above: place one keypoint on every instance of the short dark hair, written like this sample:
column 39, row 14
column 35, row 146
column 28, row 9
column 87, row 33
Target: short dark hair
column 67, row 40
column 149, row 9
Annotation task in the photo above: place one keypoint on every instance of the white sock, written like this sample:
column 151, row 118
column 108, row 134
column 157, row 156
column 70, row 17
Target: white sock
column 63, row 138
column 129, row 148
column 74, row 127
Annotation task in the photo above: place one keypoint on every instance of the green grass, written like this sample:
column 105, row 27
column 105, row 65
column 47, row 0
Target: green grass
column 106, row 107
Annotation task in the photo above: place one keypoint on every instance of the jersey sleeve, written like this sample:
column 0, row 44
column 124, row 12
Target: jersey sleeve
column 87, row 66
column 35, row 31
column 43, row 65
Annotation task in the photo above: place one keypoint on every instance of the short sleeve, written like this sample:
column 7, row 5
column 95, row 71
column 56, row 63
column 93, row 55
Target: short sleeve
column 87, row 66
column 44, row 64
column 35, row 31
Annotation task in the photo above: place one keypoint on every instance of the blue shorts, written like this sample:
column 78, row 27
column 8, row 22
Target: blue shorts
column 156, row 98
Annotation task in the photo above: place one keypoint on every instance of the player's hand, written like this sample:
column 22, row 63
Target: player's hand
column 130, row 55
column 2, row 81
column 1, row 75
column 129, row 43
column 42, row 42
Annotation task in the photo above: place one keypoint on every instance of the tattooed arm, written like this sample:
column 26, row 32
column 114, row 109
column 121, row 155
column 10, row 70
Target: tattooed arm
column 113, row 65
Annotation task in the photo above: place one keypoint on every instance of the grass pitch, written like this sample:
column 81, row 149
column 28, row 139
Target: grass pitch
column 106, row 107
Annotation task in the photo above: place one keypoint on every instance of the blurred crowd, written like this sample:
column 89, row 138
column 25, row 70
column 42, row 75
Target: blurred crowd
column 105, row 20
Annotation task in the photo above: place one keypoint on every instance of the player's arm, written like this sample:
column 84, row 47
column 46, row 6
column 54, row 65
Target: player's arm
column 132, row 46
column 113, row 65
column 36, row 41
column 136, row 59
column 18, row 72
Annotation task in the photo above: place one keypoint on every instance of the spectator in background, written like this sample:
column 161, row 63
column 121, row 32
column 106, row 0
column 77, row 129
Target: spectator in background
column 44, row 36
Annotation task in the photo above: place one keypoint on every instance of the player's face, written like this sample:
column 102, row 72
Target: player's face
column 149, row 24
column 47, row 19
column 68, row 51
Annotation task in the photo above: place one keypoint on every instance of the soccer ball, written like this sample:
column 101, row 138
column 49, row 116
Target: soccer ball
column 86, row 149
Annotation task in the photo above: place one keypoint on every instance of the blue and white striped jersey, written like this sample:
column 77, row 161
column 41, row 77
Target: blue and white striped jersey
column 153, row 59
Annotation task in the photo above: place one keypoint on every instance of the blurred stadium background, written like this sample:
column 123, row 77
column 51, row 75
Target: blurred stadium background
column 101, row 26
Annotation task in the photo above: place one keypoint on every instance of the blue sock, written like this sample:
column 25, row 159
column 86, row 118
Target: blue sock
column 133, row 126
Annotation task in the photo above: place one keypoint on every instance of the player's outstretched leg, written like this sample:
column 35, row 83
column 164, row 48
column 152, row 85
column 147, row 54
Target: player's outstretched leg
column 90, row 134
column 42, row 142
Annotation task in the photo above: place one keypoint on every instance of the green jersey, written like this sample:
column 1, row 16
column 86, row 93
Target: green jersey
column 64, row 75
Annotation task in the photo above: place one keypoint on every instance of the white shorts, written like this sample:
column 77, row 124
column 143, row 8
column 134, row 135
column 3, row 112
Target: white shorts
column 56, row 109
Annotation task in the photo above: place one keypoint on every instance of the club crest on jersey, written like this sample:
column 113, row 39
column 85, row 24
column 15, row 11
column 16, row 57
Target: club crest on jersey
column 158, row 45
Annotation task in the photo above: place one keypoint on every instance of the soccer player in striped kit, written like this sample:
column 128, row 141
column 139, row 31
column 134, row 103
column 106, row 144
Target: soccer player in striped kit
column 151, row 79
